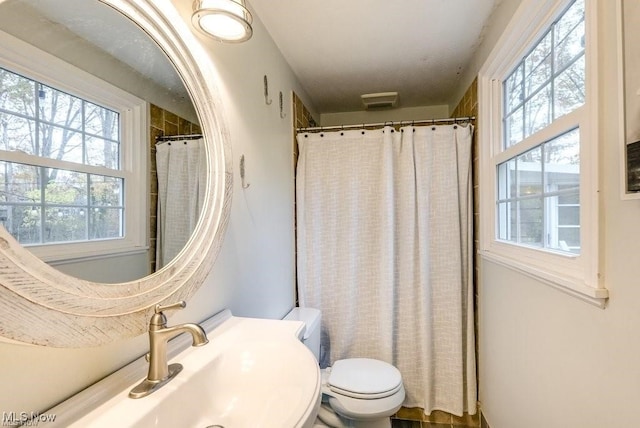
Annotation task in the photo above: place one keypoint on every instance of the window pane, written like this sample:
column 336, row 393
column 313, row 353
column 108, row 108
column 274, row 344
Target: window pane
column 60, row 143
column 65, row 224
column 19, row 183
column 537, row 66
column 531, row 222
column 22, row 222
column 569, row 35
column 569, row 199
column 103, row 153
column 65, row 187
column 568, row 215
column 106, row 191
column 538, row 111
column 530, row 172
column 569, row 89
column 569, row 239
column 17, row 134
column 514, row 128
column 60, row 108
column 101, row 122
column 17, row 93
column 513, row 90
column 507, row 221
column 507, row 179
column 562, row 162
column 105, row 223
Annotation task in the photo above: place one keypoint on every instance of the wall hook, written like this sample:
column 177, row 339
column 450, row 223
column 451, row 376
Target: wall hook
column 267, row 101
column 242, row 173
column 282, row 115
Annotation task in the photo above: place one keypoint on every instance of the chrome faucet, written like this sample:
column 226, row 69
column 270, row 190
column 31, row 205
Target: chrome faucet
column 160, row 372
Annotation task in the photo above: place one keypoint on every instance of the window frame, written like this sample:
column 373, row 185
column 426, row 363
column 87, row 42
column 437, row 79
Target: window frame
column 33, row 63
column 577, row 275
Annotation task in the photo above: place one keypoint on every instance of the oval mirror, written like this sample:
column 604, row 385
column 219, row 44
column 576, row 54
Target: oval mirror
column 70, row 192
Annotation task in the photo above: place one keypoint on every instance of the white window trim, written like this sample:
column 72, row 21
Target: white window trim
column 577, row 275
column 31, row 62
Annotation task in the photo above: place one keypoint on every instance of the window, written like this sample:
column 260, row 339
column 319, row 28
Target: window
column 40, row 204
column 549, row 82
column 538, row 162
column 538, row 200
column 67, row 158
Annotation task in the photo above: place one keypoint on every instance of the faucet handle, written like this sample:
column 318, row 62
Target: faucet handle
column 158, row 319
column 179, row 305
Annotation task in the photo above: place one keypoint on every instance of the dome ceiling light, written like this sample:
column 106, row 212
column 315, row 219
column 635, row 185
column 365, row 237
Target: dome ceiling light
column 224, row 20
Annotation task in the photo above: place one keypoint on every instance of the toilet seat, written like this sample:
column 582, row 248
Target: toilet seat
column 364, row 378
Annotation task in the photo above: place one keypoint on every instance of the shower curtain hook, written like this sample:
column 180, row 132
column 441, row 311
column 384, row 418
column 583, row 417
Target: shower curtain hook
column 267, row 101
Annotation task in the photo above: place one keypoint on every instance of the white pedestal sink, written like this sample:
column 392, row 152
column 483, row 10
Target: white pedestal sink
column 252, row 373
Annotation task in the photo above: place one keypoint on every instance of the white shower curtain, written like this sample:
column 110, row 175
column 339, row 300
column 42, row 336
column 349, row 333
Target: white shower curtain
column 182, row 169
column 384, row 250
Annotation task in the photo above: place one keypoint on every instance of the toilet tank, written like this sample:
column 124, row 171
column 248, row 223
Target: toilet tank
column 311, row 318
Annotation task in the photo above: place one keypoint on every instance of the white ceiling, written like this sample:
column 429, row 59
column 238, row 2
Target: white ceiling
column 340, row 49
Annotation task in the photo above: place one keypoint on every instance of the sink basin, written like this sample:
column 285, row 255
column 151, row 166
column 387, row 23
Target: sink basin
column 253, row 373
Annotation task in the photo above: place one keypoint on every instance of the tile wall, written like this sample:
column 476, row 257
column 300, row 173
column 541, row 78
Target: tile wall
column 467, row 107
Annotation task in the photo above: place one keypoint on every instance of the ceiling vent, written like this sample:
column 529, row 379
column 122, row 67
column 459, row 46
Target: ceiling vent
column 380, row 100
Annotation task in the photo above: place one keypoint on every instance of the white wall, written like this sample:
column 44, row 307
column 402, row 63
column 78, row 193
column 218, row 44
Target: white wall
column 111, row 269
column 254, row 272
column 385, row 115
column 550, row 360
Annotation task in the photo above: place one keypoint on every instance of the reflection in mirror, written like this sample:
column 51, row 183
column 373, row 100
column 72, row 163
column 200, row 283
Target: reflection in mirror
column 71, row 186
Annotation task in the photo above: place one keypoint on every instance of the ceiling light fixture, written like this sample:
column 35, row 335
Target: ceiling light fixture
column 224, row 20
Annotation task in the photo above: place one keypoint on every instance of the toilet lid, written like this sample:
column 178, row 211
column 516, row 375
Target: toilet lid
column 364, row 378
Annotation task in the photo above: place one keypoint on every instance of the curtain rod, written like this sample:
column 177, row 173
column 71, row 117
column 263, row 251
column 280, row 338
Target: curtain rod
column 163, row 138
column 390, row 123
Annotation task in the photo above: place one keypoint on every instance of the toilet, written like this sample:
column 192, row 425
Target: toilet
column 356, row 392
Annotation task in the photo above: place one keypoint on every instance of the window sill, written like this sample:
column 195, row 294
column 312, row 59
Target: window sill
column 569, row 285
column 82, row 253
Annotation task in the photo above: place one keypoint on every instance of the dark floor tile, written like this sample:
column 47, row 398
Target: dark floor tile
column 398, row 423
